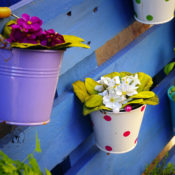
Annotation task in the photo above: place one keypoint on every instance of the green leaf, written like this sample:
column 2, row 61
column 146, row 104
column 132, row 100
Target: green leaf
column 138, row 101
column 112, row 75
column 144, row 94
column 169, row 67
column 47, row 172
column 80, row 90
column 146, row 82
column 94, row 101
column 87, row 111
column 37, row 147
column 7, row 28
column 28, row 170
column 173, row 97
column 152, row 101
column 90, row 85
column 34, row 165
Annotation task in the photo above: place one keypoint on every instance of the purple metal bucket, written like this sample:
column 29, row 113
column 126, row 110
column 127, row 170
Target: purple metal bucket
column 28, row 80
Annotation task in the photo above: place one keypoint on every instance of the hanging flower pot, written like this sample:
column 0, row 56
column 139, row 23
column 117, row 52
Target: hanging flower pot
column 30, row 61
column 120, row 130
column 154, row 11
column 171, row 96
column 28, row 81
column 116, row 103
column 171, row 93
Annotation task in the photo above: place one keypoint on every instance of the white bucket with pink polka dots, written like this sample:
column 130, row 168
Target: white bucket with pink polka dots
column 154, row 11
column 117, row 132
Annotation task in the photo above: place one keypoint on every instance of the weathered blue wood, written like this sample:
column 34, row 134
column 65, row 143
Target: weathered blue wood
column 79, row 71
column 7, row 3
column 149, row 53
column 83, row 150
column 68, row 128
column 98, row 27
column 155, row 133
column 154, row 51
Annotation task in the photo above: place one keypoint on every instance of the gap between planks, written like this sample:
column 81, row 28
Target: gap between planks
column 162, row 154
column 120, row 41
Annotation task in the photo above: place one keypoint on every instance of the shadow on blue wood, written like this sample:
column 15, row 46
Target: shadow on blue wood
column 7, row 3
column 68, row 128
column 79, row 71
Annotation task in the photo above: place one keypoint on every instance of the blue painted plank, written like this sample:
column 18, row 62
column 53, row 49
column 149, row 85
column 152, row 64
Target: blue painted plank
column 149, row 53
column 111, row 17
column 68, row 128
column 79, row 71
column 155, row 133
column 154, row 49
column 83, row 150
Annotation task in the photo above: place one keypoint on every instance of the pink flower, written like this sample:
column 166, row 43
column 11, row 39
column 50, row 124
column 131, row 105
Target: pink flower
column 51, row 38
column 29, row 24
column 28, row 30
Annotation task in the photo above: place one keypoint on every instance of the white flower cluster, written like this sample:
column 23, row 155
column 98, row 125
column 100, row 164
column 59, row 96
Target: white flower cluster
column 116, row 91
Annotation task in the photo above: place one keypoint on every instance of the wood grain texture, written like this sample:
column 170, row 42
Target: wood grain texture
column 120, row 41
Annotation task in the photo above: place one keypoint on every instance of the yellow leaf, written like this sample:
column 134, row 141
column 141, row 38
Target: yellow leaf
column 75, row 41
column 146, row 82
column 144, row 94
column 80, row 90
column 138, row 101
column 90, row 85
column 87, row 111
column 112, row 75
column 94, row 101
column 152, row 101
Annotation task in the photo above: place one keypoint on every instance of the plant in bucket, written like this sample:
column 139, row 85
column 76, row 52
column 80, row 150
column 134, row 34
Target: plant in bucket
column 116, row 103
column 154, row 12
column 30, row 60
column 171, row 94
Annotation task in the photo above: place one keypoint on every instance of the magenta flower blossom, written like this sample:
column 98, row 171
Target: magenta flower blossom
column 29, row 24
column 28, row 30
column 51, row 38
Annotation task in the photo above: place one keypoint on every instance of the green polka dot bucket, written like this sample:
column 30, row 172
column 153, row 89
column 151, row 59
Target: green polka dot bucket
column 154, row 11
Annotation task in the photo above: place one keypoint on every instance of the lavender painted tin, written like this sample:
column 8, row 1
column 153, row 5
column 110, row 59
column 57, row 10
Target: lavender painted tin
column 28, row 80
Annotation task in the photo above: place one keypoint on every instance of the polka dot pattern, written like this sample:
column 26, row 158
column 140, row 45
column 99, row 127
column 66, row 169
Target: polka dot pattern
column 135, row 14
column 149, row 17
column 128, row 108
column 108, row 148
column 107, row 118
column 138, row 1
column 126, row 134
column 143, row 108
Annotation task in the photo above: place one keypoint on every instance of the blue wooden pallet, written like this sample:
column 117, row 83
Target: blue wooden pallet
column 68, row 128
column 69, row 135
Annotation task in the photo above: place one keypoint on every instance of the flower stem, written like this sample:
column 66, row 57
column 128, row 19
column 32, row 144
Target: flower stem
column 14, row 16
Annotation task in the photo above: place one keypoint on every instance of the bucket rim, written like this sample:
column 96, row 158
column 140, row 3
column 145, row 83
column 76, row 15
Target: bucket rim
column 121, row 112
column 38, row 50
column 168, row 93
